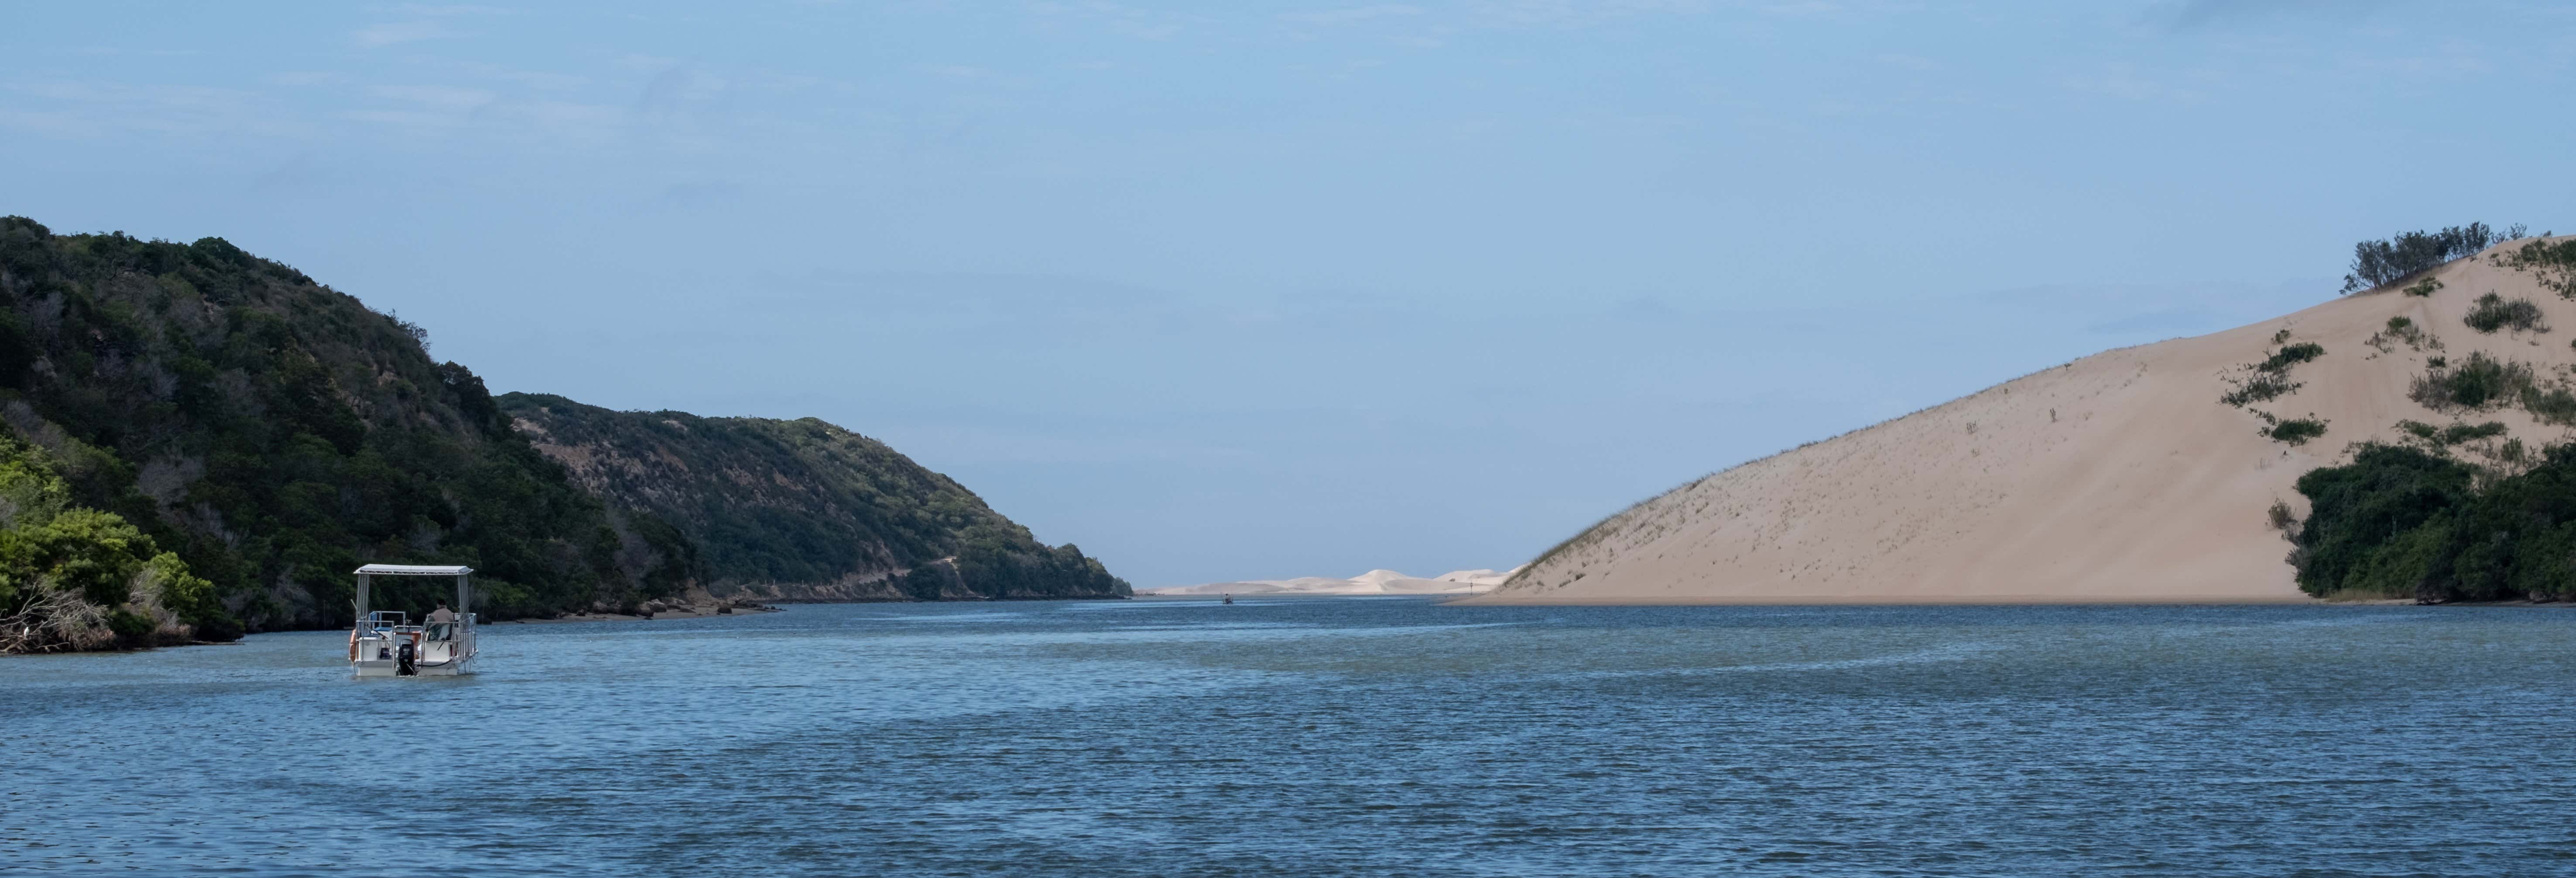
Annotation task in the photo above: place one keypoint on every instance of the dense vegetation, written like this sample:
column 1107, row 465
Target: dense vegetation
column 2379, row 263
column 2415, row 523
column 2459, row 512
column 804, row 509
column 78, row 578
column 274, row 434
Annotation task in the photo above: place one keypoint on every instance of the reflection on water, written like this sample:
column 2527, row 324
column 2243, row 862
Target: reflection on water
column 1329, row 736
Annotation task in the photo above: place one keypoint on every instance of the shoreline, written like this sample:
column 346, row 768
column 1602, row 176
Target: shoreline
column 1479, row 601
column 618, row 617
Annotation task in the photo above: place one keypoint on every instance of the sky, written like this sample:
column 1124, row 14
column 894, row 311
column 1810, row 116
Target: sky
column 1262, row 289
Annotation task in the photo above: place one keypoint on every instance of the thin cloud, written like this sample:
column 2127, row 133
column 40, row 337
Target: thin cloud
column 300, row 78
column 1351, row 15
column 2126, row 82
column 87, row 109
column 2183, row 15
column 435, row 96
column 395, row 33
column 1123, row 19
column 1575, row 12
column 452, row 10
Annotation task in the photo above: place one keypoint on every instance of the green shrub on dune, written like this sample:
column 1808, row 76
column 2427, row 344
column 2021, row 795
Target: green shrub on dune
column 2552, row 262
column 2295, row 431
column 2480, row 382
column 2492, row 312
column 2270, row 379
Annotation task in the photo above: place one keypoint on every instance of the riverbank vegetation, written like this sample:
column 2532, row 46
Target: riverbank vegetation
column 2407, row 522
column 273, row 434
column 73, row 577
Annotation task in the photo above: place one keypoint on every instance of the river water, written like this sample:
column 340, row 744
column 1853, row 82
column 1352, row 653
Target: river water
column 1329, row 736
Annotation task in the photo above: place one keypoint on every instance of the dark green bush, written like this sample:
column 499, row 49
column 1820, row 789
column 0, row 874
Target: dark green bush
column 2552, row 406
column 2296, row 431
column 2442, row 438
column 2400, row 329
column 2458, row 433
column 2261, row 386
column 2291, row 355
column 2481, row 382
column 2358, row 512
column 2493, row 312
column 2270, row 379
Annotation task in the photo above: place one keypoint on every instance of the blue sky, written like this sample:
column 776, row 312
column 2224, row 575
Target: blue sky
column 1257, row 290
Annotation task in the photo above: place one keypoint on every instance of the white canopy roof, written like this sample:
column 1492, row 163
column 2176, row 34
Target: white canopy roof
column 412, row 570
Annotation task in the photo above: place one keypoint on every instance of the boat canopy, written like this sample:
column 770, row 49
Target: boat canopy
column 368, row 574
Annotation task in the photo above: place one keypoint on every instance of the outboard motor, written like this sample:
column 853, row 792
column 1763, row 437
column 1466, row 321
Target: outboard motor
column 403, row 661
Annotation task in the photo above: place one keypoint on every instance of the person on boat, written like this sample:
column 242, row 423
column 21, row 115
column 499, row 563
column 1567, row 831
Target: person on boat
column 441, row 624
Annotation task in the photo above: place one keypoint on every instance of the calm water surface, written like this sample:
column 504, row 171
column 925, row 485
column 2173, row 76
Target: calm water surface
column 1330, row 736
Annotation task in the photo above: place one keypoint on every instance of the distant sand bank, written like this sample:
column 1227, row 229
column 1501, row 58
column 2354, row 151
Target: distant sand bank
column 1374, row 582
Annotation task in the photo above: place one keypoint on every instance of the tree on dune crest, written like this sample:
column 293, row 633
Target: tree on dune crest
column 2378, row 263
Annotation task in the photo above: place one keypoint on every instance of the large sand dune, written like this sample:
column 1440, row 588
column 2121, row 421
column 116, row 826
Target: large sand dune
column 2119, row 477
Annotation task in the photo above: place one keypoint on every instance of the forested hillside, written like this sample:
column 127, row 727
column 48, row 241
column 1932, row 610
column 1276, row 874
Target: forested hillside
column 804, row 510
column 273, row 434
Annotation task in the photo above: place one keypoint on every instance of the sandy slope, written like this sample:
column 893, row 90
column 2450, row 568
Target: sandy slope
column 1455, row 582
column 2119, row 477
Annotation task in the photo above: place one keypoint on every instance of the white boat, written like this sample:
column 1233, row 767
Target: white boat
column 384, row 643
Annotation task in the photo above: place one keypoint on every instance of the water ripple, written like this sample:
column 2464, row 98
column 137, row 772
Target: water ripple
column 1306, row 737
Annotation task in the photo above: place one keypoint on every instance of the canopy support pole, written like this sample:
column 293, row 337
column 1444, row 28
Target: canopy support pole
column 364, row 581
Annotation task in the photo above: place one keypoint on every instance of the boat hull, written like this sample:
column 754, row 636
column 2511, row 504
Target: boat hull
column 387, row 668
column 378, row 656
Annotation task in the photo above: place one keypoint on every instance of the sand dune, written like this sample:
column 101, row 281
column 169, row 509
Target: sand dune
column 2119, row 477
column 1455, row 582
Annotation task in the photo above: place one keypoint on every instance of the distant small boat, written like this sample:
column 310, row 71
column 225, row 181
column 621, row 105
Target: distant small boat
column 1229, row 599
column 384, row 643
